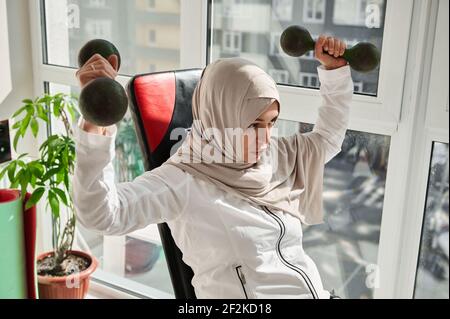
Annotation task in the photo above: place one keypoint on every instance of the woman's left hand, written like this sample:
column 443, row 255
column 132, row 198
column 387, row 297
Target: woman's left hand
column 329, row 52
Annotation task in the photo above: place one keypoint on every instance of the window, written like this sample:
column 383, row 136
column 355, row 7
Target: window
column 271, row 21
column 309, row 80
column 432, row 279
column 136, row 260
column 232, row 8
column 314, row 11
column 374, row 122
column 151, row 4
column 345, row 247
column 97, row 3
column 371, row 207
column 358, row 13
column 98, row 28
column 232, row 42
column 282, row 10
column 125, row 24
column 280, row 76
column 151, row 37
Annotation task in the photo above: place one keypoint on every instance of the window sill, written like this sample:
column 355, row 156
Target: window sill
column 100, row 291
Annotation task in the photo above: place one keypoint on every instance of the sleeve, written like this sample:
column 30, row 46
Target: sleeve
column 304, row 155
column 104, row 207
column 337, row 92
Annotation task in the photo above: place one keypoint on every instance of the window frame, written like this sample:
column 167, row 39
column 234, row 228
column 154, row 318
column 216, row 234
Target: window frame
column 433, row 127
column 396, row 112
column 192, row 55
column 380, row 114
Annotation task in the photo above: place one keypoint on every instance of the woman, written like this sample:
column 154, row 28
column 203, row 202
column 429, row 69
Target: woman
column 235, row 209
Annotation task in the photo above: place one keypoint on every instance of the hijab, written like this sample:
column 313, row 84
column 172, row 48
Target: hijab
column 288, row 176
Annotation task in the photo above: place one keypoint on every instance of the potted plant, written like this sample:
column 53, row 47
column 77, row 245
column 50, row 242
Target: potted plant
column 62, row 273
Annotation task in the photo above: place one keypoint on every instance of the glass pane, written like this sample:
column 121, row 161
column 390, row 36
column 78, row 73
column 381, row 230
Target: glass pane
column 432, row 280
column 352, row 20
column 146, row 33
column 139, row 257
column 345, row 247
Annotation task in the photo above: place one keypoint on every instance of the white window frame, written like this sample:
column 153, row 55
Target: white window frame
column 380, row 114
column 397, row 111
column 389, row 113
column 435, row 116
column 192, row 55
column 323, row 8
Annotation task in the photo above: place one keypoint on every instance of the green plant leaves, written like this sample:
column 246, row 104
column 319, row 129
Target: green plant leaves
column 20, row 111
column 34, row 127
column 12, row 171
column 61, row 194
column 50, row 173
column 54, row 203
column 37, row 169
column 35, row 197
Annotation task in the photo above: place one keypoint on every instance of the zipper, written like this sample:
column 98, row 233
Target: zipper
column 241, row 279
column 302, row 273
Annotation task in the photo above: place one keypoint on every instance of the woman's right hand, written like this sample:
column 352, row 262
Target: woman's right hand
column 97, row 67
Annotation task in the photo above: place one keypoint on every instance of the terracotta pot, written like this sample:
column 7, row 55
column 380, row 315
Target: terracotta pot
column 67, row 287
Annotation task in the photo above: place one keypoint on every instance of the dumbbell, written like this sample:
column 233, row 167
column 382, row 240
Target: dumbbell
column 363, row 57
column 103, row 101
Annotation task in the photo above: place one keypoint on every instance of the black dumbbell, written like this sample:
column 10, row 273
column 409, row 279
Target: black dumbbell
column 103, row 101
column 363, row 57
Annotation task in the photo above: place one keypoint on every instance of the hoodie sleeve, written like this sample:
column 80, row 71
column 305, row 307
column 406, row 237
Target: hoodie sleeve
column 108, row 208
column 305, row 154
column 325, row 141
column 337, row 92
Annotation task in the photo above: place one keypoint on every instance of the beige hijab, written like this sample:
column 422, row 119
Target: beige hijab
column 233, row 93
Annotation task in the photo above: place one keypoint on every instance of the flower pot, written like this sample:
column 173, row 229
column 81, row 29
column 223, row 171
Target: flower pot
column 75, row 286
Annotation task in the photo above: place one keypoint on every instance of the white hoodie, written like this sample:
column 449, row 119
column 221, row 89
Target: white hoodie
column 236, row 249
